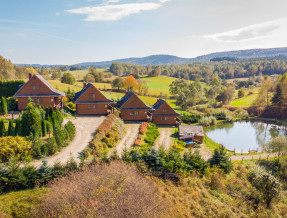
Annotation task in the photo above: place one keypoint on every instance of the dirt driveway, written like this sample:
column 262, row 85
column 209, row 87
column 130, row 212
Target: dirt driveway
column 132, row 131
column 165, row 138
column 85, row 127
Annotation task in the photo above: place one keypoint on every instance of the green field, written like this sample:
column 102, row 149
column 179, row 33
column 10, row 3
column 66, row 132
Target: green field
column 159, row 85
column 246, row 101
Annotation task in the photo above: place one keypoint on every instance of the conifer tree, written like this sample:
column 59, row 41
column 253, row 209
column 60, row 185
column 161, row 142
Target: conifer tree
column 2, row 128
column 278, row 98
column 4, row 108
column 18, row 128
column 11, row 129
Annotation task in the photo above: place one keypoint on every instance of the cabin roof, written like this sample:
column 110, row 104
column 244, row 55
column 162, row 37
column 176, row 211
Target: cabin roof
column 126, row 98
column 55, row 93
column 188, row 131
column 80, row 93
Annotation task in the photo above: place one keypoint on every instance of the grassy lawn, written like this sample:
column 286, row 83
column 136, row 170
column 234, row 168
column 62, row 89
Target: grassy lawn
column 159, row 85
column 21, row 203
column 245, row 101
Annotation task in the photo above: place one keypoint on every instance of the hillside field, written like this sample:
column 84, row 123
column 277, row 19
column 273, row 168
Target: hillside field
column 246, row 101
column 159, row 85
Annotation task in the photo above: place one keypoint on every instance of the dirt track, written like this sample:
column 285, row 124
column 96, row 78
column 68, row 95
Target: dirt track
column 85, row 127
column 165, row 138
column 128, row 140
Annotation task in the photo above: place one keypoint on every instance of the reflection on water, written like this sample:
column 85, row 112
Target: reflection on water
column 244, row 135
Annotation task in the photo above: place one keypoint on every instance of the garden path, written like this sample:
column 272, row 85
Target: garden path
column 85, row 129
column 165, row 138
column 132, row 131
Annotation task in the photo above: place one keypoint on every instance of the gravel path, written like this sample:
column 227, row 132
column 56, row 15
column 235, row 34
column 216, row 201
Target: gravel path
column 165, row 138
column 85, row 128
column 128, row 140
column 250, row 157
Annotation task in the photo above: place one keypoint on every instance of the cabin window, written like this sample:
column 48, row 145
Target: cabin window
column 92, row 96
column 90, row 106
column 39, row 100
column 162, row 118
column 95, row 106
column 136, row 113
column 164, row 110
column 35, row 88
column 131, row 113
column 166, row 118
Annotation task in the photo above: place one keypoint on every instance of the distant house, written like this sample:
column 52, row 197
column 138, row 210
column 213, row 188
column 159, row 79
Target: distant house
column 164, row 114
column 132, row 108
column 90, row 101
column 40, row 91
column 191, row 133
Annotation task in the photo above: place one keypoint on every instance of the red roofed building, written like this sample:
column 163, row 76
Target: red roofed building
column 164, row 114
column 132, row 108
column 40, row 91
column 90, row 101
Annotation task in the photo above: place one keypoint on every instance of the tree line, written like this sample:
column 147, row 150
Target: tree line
column 204, row 71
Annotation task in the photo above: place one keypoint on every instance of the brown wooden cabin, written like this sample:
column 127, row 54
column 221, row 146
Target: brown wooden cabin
column 40, row 91
column 90, row 101
column 190, row 133
column 164, row 114
column 132, row 108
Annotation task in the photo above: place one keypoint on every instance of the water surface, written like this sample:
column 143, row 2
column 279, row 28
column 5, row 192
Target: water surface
column 244, row 135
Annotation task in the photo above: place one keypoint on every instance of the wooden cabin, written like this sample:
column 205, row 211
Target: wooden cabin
column 40, row 91
column 132, row 108
column 90, row 101
column 188, row 133
column 164, row 114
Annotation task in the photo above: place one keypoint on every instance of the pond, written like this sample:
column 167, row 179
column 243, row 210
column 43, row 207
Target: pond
column 244, row 135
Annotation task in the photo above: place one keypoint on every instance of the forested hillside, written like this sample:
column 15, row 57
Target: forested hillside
column 10, row 71
column 204, row 71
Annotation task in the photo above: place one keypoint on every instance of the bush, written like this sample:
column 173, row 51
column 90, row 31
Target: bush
column 222, row 114
column 221, row 160
column 52, row 146
column 19, row 147
column 59, row 136
column 192, row 117
column 241, row 113
column 151, row 134
column 30, row 122
column 207, row 121
column 266, row 184
column 126, row 193
column 71, row 129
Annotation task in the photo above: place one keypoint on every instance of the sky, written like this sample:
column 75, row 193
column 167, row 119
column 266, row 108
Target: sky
column 75, row 31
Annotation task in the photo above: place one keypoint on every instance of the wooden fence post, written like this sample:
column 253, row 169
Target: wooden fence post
column 242, row 159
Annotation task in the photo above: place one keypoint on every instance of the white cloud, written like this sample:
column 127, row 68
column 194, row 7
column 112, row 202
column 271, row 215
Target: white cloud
column 58, row 14
column 113, row 1
column 115, row 12
column 252, row 32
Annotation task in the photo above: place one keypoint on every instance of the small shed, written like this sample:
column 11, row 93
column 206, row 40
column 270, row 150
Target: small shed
column 191, row 133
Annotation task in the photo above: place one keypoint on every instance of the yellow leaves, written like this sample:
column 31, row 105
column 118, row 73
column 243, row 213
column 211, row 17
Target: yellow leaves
column 130, row 83
column 14, row 146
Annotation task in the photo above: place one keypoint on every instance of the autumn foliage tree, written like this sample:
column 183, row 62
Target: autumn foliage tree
column 130, row 83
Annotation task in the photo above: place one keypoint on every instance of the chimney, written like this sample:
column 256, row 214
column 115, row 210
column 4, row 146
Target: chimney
column 30, row 75
column 126, row 92
column 157, row 100
column 84, row 84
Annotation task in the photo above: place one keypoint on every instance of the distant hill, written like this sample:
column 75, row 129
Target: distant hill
column 169, row 59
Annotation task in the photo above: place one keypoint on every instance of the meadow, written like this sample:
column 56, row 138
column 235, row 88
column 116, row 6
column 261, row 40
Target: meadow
column 158, row 85
column 246, row 101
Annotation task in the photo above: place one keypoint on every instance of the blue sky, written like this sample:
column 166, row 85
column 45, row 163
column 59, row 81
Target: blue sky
column 74, row 31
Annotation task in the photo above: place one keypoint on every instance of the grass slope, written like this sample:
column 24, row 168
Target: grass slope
column 159, row 85
column 246, row 101
column 20, row 203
